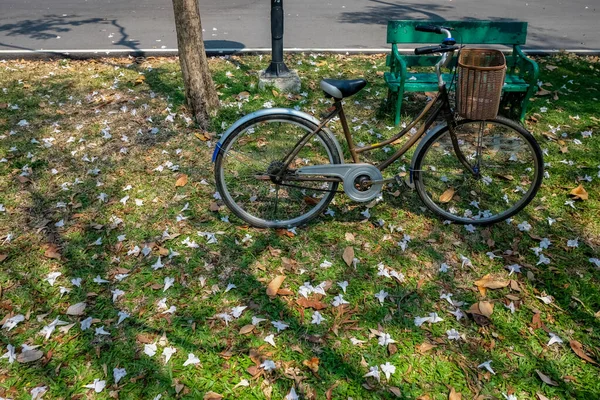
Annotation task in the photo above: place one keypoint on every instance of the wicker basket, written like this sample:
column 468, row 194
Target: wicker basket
column 480, row 81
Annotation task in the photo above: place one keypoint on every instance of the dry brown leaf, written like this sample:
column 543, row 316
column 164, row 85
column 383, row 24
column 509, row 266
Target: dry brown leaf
column 51, row 251
column 212, row 396
column 311, row 303
column 395, row 391
column 349, row 237
column 284, row 232
column 213, row 206
column 453, row 395
column 3, row 257
column 348, row 255
column 77, row 309
column 203, row 136
column 29, row 356
column 447, row 195
column 488, row 282
column 285, row 292
column 578, row 349
column 579, row 193
column 536, row 321
column 274, row 285
column 546, row 378
column 312, row 364
column 425, row 347
column 311, row 201
column 181, row 181
column 543, row 92
column 541, row 396
column 140, row 79
column 486, row 308
column 243, row 96
column 551, row 67
column 247, row 329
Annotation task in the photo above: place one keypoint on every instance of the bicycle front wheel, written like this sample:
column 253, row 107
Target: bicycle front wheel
column 507, row 171
column 253, row 155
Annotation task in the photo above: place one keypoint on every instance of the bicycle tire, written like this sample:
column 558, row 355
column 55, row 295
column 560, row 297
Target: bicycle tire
column 250, row 207
column 512, row 137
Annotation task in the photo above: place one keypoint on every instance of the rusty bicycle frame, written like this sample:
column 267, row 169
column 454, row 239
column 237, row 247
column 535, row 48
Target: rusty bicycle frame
column 440, row 104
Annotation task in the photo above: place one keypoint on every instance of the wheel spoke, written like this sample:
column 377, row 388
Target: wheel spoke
column 252, row 158
column 508, row 172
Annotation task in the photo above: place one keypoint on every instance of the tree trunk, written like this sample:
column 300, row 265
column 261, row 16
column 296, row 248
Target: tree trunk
column 200, row 92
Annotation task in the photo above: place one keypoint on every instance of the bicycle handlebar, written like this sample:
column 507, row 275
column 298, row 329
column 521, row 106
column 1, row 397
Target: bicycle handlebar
column 435, row 49
column 429, row 28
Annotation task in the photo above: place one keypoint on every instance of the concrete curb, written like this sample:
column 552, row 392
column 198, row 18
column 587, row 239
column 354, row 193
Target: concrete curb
column 102, row 53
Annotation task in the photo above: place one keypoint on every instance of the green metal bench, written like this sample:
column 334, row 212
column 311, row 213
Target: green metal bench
column 521, row 74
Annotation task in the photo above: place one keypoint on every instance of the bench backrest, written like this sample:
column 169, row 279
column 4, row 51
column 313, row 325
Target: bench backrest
column 468, row 32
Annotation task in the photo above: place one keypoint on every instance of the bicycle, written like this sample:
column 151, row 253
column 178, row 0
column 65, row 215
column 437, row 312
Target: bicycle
column 280, row 168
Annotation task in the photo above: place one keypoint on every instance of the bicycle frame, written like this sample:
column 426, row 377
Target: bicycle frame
column 440, row 104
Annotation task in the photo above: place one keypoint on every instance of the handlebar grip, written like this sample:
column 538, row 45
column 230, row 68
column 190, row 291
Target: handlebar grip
column 428, row 28
column 428, row 50
column 435, row 49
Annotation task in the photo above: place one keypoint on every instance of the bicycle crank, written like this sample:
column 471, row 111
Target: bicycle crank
column 361, row 182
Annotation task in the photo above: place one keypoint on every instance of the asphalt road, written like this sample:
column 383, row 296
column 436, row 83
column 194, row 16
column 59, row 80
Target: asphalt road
column 309, row 24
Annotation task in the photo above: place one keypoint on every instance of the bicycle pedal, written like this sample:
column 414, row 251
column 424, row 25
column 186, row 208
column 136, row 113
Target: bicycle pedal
column 405, row 181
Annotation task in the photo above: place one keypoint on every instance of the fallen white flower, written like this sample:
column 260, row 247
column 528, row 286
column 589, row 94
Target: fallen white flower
column 270, row 339
column 279, row 325
column 487, row 366
column 13, row 321
column 373, row 372
column 52, row 276
column 268, row 365
column 453, row 334
column 97, row 385
column 150, row 349
column 168, row 352
column 317, row 318
column 10, row 354
column 339, row 300
column 191, row 360
column 387, row 369
column 553, row 339
column 118, row 374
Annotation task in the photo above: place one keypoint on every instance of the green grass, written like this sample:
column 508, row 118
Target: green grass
column 76, row 99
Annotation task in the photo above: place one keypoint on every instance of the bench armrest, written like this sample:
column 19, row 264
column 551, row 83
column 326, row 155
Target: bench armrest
column 397, row 64
column 526, row 67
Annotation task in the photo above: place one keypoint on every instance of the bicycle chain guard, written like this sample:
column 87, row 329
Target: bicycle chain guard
column 351, row 174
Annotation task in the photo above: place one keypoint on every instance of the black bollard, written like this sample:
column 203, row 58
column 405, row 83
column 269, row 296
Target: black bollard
column 277, row 67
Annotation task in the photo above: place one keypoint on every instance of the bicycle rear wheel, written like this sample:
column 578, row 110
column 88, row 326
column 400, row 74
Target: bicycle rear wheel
column 508, row 168
column 253, row 155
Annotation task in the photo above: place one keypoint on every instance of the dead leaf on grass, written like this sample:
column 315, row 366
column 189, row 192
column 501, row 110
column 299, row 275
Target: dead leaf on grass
column 579, row 193
column 30, row 356
column 247, row 329
column 77, row 309
column 51, row 251
column 578, row 349
column 312, row 364
column 348, row 255
column 543, row 92
column 545, row 378
column 182, row 180
column 274, row 285
column 447, row 195
column 212, row 396
column 425, row 347
column 311, row 303
column 3, row 257
column 453, row 395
